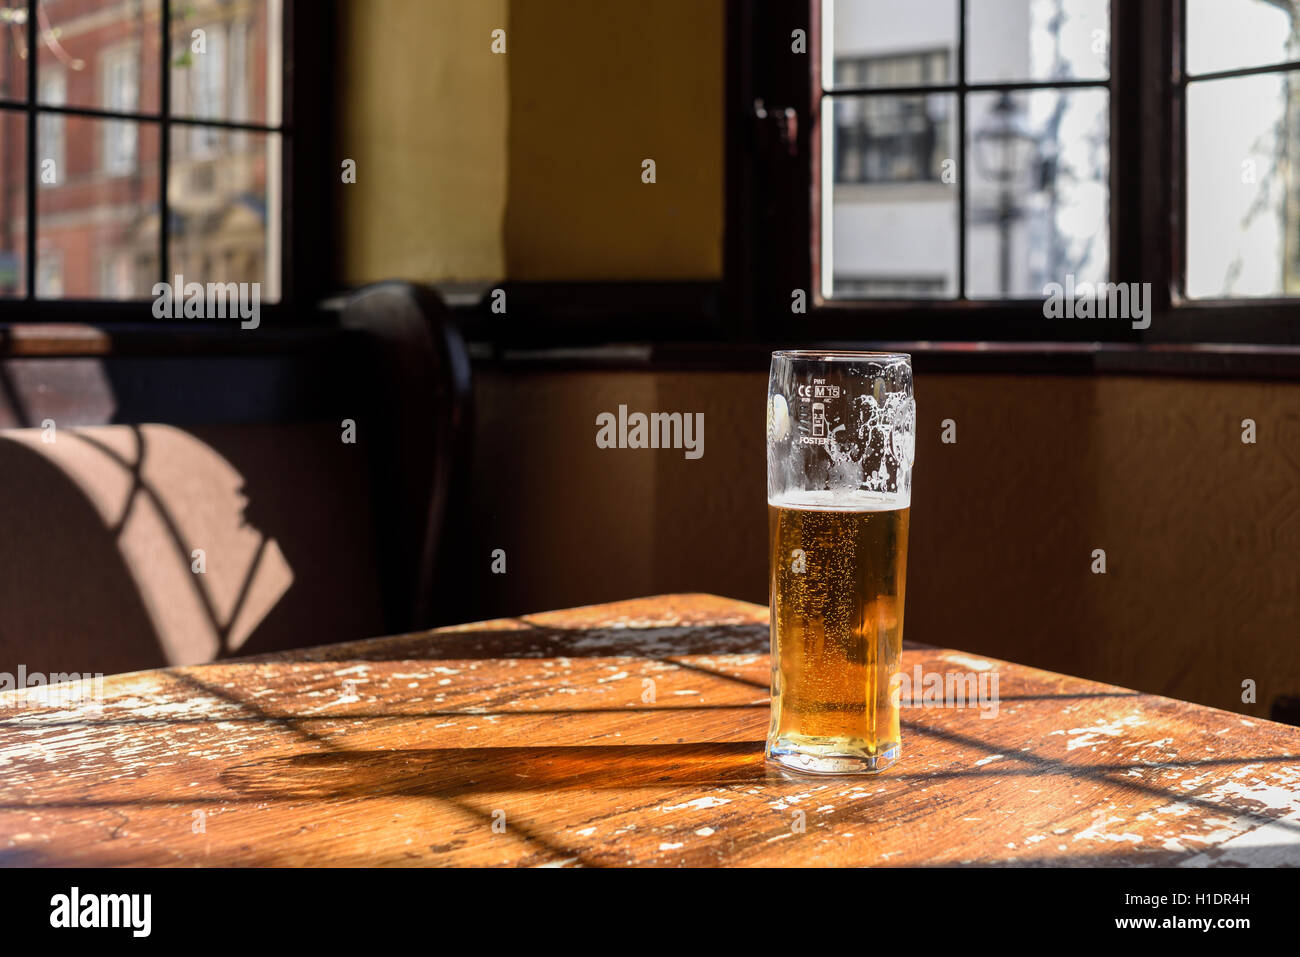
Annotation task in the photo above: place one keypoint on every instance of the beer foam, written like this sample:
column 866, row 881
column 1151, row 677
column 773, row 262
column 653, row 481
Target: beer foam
column 842, row 500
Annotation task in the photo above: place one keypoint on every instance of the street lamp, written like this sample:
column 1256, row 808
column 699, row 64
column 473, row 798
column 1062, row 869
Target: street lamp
column 1005, row 149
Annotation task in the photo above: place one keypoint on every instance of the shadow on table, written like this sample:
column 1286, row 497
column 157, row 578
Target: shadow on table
column 453, row 771
column 447, row 772
column 544, row 641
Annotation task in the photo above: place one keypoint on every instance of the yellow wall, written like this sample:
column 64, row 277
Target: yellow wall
column 424, row 112
column 596, row 87
column 477, row 166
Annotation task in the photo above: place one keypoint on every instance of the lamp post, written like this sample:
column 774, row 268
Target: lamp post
column 1005, row 150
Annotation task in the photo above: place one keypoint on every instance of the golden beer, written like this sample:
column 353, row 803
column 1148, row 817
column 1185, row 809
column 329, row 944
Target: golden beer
column 838, row 572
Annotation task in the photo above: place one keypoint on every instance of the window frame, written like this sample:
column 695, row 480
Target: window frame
column 1268, row 313
column 960, row 89
column 307, row 254
column 774, row 199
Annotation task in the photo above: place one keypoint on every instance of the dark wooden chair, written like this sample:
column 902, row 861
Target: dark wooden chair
column 420, row 405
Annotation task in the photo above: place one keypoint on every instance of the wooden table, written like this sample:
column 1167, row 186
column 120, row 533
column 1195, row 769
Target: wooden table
column 628, row 733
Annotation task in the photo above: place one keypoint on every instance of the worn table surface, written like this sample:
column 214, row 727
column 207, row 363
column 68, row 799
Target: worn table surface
column 539, row 741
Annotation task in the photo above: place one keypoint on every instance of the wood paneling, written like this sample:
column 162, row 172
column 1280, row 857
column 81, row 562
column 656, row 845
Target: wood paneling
column 1202, row 589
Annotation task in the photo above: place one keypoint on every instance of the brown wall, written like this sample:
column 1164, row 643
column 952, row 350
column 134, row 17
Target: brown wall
column 1202, row 588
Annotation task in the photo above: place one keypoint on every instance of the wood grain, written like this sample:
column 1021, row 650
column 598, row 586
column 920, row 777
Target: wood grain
column 406, row 750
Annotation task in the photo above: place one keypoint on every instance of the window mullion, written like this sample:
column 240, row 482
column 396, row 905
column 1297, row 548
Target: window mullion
column 1128, row 203
column 31, row 178
column 164, row 143
column 961, row 149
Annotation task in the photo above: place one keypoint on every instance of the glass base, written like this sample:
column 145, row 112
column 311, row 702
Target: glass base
column 831, row 759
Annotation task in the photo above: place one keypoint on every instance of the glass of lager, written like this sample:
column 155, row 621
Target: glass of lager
column 841, row 436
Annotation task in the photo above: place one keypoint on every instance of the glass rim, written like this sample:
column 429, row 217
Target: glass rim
column 831, row 355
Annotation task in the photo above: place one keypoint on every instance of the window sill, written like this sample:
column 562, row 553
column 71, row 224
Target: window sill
column 1028, row 358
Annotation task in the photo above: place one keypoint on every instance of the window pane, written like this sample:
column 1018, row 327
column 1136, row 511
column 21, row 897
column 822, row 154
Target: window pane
column 890, row 227
column 97, row 214
column 1232, row 34
column 13, row 48
column 1243, row 191
column 51, row 128
column 225, row 60
column 1037, row 173
column 887, row 43
column 224, row 205
column 1018, row 40
column 104, row 51
column 13, row 203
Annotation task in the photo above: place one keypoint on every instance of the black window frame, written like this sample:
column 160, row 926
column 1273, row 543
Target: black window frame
column 773, row 199
column 308, row 253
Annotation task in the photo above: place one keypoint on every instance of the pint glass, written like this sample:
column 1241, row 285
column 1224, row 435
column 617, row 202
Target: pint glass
column 841, row 436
